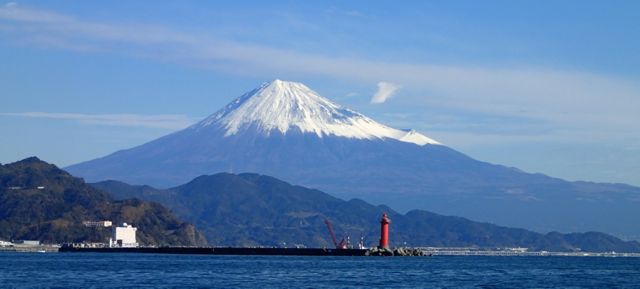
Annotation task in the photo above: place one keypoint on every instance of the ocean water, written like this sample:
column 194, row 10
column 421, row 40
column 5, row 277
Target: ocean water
column 95, row 270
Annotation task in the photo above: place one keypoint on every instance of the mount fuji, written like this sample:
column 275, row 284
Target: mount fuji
column 281, row 106
column 286, row 130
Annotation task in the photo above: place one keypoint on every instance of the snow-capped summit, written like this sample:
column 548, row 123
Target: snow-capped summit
column 283, row 106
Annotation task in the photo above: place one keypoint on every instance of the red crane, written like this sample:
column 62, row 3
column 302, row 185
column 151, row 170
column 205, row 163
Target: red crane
column 343, row 244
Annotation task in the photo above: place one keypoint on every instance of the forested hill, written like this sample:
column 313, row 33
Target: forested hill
column 39, row 201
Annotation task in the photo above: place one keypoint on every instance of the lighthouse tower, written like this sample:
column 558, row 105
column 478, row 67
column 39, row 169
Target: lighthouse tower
column 384, row 231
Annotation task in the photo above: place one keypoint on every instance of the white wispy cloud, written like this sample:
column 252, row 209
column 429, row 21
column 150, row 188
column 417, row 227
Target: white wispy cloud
column 350, row 13
column 572, row 99
column 384, row 92
column 163, row 121
column 352, row 94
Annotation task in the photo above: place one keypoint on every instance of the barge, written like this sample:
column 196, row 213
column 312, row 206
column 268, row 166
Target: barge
column 220, row 251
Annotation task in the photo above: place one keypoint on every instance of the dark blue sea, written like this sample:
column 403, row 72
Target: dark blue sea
column 87, row 270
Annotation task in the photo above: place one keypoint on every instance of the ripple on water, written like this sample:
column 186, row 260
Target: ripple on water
column 68, row 270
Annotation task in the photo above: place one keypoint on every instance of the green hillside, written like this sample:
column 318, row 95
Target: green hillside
column 39, row 201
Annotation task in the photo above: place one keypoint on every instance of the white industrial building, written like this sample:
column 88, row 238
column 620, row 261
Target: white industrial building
column 124, row 237
column 97, row 224
column 28, row 242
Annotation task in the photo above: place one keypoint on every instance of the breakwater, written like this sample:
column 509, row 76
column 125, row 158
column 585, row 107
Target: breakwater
column 222, row 251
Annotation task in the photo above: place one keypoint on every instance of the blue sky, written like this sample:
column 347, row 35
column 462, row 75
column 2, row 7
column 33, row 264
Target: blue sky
column 545, row 86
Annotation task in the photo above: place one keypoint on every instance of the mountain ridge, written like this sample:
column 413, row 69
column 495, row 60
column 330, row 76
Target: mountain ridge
column 384, row 170
column 256, row 210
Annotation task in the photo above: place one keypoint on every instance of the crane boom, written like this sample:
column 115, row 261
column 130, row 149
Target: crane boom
column 333, row 236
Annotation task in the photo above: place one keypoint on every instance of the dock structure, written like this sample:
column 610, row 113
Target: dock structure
column 220, row 251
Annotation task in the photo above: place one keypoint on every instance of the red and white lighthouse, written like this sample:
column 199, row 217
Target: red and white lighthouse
column 384, row 231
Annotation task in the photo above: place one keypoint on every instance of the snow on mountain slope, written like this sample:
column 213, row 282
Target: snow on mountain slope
column 283, row 106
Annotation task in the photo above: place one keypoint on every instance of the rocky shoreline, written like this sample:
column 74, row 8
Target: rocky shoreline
column 401, row 251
